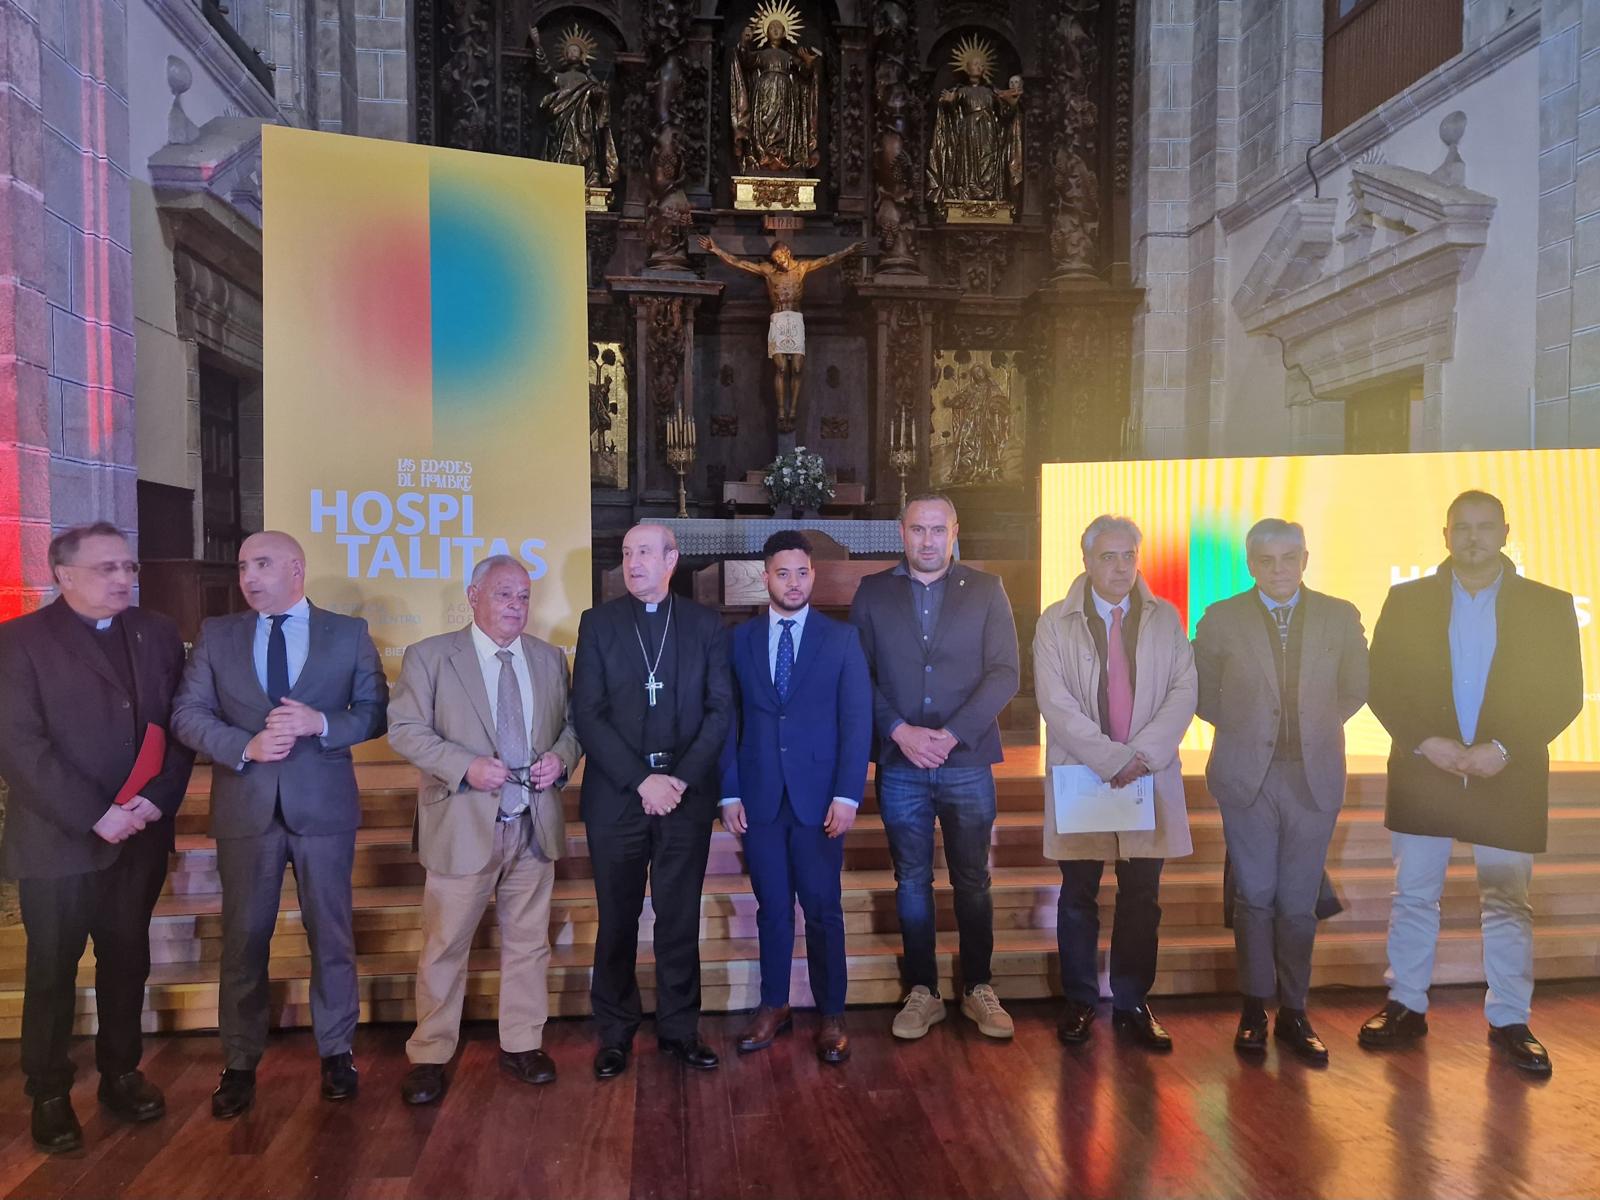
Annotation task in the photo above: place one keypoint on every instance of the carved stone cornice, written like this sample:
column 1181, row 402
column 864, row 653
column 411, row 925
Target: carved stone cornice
column 1389, row 303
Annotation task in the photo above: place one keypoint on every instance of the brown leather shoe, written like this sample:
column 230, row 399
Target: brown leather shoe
column 764, row 1028
column 833, row 1043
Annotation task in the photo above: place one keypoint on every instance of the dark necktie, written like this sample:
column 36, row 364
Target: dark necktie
column 277, row 660
column 783, row 671
column 510, row 731
column 1282, row 615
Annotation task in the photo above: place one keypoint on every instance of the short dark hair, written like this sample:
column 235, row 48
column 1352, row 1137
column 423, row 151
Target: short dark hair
column 923, row 497
column 785, row 539
column 1475, row 496
column 64, row 546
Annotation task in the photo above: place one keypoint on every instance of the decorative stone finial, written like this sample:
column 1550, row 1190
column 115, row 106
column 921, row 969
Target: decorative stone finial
column 180, row 129
column 1454, row 169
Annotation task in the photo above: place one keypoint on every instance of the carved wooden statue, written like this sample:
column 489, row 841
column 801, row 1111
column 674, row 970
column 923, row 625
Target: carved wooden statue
column 579, row 106
column 785, row 276
column 775, row 83
column 976, row 152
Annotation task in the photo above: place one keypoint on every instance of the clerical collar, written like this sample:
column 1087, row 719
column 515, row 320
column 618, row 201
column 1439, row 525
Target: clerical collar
column 100, row 624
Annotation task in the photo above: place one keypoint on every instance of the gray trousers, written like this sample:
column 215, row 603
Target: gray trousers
column 1278, row 846
column 252, row 880
column 1504, row 876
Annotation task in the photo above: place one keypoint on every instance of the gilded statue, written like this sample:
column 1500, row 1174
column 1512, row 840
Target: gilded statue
column 579, row 107
column 976, row 152
column 775, row 82
column 981, row 428
column 785, row 277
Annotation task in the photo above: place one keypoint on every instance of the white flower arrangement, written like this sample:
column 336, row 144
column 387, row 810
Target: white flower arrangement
column 799, row 479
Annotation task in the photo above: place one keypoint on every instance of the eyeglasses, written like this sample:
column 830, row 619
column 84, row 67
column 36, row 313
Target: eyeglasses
column 522, row 777
column 107, row 569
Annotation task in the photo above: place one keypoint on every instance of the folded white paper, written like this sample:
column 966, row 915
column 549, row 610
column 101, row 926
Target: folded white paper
column 1085, row 803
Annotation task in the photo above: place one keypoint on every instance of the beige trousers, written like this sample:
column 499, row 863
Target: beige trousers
column 520, row 880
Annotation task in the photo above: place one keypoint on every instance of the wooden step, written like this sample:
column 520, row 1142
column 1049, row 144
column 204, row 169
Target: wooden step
column 183, row 996
column 1196, row 955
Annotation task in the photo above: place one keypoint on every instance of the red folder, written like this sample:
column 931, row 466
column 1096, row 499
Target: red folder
column 152, row 752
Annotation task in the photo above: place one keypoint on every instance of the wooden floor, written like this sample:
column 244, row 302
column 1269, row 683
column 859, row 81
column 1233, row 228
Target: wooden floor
column 954, row 1115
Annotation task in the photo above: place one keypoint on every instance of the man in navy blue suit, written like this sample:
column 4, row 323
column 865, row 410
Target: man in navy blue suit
column 793, row 770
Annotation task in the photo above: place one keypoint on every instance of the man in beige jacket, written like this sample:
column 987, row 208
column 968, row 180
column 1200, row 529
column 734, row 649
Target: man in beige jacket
column 1115, row 680
column 483, row 714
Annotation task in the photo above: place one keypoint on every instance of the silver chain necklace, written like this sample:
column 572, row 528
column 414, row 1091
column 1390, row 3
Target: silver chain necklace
column 654, row 685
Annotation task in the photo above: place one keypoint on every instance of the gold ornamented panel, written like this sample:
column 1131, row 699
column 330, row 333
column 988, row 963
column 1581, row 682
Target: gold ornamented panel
column 608, row 415
column 978, row 415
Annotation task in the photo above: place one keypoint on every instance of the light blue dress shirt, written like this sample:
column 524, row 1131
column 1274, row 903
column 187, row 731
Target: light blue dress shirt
column 1473, row 631
column 775, row 631
column 296, row 640
column 1273, row 605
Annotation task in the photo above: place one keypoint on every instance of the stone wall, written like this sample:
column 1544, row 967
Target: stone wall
column 1227, row 106
column 66, row 319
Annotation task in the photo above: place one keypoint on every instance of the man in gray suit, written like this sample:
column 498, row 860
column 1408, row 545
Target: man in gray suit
column 1281, row 668
column 277, row 697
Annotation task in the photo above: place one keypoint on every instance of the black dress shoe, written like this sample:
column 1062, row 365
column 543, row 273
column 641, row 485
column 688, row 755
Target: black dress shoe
column 339, row 1078
column 236, row 1091
column 132, row 1097
column 1392, row 1026
column 1524, row 1050
column 529, row 1066
column 1075, row 1022
column 423, row 1084
column 1252, row 1035
column 610, row 1062
column 691, row 1052
column 55, row 1125
column 1294, row 1030
column 1140, row 1025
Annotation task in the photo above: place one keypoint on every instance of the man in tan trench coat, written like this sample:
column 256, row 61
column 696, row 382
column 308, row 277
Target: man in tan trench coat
column 1115, row 680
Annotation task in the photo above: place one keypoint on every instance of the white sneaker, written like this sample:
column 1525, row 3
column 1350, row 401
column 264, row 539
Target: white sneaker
column 921, row 1012
column 983, row 1006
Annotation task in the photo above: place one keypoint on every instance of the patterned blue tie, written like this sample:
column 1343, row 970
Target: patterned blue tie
column 782, row 674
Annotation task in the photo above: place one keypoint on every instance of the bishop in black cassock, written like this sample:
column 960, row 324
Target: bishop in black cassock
column 652, row 699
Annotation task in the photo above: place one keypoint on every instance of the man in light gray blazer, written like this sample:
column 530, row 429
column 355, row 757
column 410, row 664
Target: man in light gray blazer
column 277, row 697
column 1281, row 668
column 483, row 714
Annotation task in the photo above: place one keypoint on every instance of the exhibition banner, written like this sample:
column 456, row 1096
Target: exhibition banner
column 1371, row 521
column 426, row 377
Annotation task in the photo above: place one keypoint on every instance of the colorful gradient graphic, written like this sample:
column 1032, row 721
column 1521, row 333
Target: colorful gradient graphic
column 1371, row 521
column 426, row 383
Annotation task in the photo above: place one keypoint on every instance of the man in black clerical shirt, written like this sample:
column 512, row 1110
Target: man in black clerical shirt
column 86, row 680
column 651, row 698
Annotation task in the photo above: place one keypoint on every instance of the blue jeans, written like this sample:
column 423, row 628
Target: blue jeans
column 963, row 800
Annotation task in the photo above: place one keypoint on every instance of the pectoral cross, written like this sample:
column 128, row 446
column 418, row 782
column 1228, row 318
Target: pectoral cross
column 654, row 686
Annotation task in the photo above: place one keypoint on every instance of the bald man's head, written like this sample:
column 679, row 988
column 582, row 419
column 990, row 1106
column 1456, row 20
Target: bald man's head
column 272, row 572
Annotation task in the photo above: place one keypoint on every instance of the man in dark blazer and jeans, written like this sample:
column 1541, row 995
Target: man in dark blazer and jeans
column 942, row 646
column 1475, row 671
column 277, row 697
column 83, row 680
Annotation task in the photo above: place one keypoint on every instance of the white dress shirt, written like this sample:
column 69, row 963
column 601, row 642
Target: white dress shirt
column 489, row 664
column 1104, row 606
